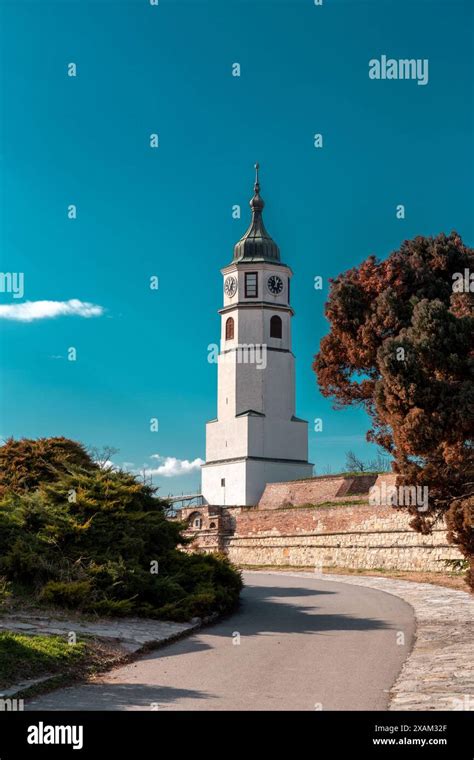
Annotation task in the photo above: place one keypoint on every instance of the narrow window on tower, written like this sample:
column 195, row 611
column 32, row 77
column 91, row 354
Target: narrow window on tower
column 229, row 329
column 251, row 285
column 275, row 327
column 288, row 290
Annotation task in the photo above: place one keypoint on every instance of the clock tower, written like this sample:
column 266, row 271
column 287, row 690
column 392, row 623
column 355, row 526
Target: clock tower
column 256, row 438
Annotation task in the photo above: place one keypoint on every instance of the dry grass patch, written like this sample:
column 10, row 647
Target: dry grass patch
column 454, row 580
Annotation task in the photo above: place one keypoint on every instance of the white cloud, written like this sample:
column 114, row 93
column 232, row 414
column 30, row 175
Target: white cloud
column 32, row 310
column 106, row 465
column 170, row 467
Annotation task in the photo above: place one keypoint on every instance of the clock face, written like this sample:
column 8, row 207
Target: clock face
column 275, row 284
column 230, row 286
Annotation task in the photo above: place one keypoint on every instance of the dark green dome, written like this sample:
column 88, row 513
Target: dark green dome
column 256, row 244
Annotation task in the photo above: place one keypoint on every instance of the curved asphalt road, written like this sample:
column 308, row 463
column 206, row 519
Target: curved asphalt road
column 305, row 644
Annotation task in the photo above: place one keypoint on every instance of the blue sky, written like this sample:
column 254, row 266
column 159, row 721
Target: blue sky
column 167, row 69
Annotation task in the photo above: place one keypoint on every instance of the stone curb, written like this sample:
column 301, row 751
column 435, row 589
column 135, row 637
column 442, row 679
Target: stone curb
column 135, row 636
column 439, row 671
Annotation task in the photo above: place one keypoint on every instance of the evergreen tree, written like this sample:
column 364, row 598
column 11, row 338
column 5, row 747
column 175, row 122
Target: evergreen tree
column 99, row 540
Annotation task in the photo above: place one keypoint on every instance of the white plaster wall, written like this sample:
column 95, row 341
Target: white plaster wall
column 277, row 439
column 262, row 382
column 257, row 437
column 226, row 386
column 249, row 388
column 253, row 326
column 233, row 494
column 226, row 439
column 250, row 325
column 279, row 386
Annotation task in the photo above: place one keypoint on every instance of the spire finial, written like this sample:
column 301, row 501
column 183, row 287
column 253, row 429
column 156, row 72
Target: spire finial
column 256, row 203
column 257, row 184
column 256, row 244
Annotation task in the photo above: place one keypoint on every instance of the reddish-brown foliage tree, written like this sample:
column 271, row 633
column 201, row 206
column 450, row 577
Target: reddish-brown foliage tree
column 401, row 344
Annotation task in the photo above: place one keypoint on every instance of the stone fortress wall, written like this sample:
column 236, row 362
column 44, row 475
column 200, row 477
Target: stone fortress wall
column 319, row 522
column 316, row 490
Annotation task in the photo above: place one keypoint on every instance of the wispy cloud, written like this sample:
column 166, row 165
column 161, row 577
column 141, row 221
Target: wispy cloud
column 106, row 465
column 170, row 467
column 30, row 311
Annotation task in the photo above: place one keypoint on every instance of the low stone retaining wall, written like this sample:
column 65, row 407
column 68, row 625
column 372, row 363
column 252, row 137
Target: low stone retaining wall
column 356, row 537
column 349, row 532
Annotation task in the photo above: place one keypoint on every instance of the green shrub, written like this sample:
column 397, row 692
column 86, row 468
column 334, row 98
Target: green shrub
column 460, row 565
column 112, row 607
column 87, row 538
column 26, row 464
column 75, row 594
column 5, row 593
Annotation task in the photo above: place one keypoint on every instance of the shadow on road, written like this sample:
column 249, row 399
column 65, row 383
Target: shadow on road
column 270, row 615
column 119, row 697
column 275, row 591
column 268, row 610
column 258, row 614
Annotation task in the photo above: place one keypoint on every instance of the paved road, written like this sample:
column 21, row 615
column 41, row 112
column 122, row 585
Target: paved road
column 305, row 644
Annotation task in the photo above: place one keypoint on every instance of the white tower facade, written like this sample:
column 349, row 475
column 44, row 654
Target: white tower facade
column 256, row 438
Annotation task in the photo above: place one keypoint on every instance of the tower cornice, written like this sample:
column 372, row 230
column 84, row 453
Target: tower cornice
column 249, row 266
column 256, row 305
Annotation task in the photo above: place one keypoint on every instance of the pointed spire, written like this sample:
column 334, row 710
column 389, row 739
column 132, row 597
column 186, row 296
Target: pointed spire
column 256, row 186
column 256, row 244
column 256, row 203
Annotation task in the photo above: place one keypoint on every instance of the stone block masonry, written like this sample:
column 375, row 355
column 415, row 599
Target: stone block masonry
column 356, row 537
column 315, row 490
column 353, row 535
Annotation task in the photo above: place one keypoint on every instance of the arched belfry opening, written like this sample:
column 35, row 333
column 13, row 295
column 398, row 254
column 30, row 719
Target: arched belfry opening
column 276, row 327
column 229, row 329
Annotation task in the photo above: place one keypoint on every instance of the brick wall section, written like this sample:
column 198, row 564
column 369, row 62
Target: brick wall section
column 314, row 490
column 209, row 537
column 334, row 519
column 217, row 524
column 389, row 478
column 355, row 537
